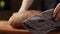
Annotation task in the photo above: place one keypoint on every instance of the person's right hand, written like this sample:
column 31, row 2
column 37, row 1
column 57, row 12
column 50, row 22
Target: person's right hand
column 17, row 19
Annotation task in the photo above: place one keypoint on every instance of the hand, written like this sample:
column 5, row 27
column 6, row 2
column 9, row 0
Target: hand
column 16, row 20
column 56, row 12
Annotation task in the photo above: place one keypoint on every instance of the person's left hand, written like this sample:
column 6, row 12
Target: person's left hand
column 56, row 12
column 57, row 8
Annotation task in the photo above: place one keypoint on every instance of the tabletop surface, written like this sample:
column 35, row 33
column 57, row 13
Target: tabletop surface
column 5, row 28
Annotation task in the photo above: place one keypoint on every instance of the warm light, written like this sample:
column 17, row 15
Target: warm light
column 2, row 3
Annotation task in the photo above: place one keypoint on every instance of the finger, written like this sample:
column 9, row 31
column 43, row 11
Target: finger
column 56, row 10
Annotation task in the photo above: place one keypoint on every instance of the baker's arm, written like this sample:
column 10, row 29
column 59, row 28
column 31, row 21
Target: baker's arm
column 25, row 5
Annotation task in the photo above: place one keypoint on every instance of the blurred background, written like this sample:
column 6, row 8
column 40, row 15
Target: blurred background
column 7, row 7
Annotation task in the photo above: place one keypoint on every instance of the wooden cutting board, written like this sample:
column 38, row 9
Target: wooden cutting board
column 5, row 28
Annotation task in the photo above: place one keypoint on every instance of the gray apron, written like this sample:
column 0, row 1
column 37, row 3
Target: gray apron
column 41, row 23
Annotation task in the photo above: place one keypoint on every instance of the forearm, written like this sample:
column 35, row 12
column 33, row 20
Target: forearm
column 25, row 5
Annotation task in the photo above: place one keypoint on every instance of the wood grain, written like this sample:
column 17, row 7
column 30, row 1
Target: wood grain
column 5, row 28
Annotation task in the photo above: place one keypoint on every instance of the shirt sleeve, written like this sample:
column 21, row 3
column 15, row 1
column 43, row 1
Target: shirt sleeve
column 39, row 25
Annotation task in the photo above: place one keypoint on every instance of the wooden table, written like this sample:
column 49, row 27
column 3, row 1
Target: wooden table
column 5, row 28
